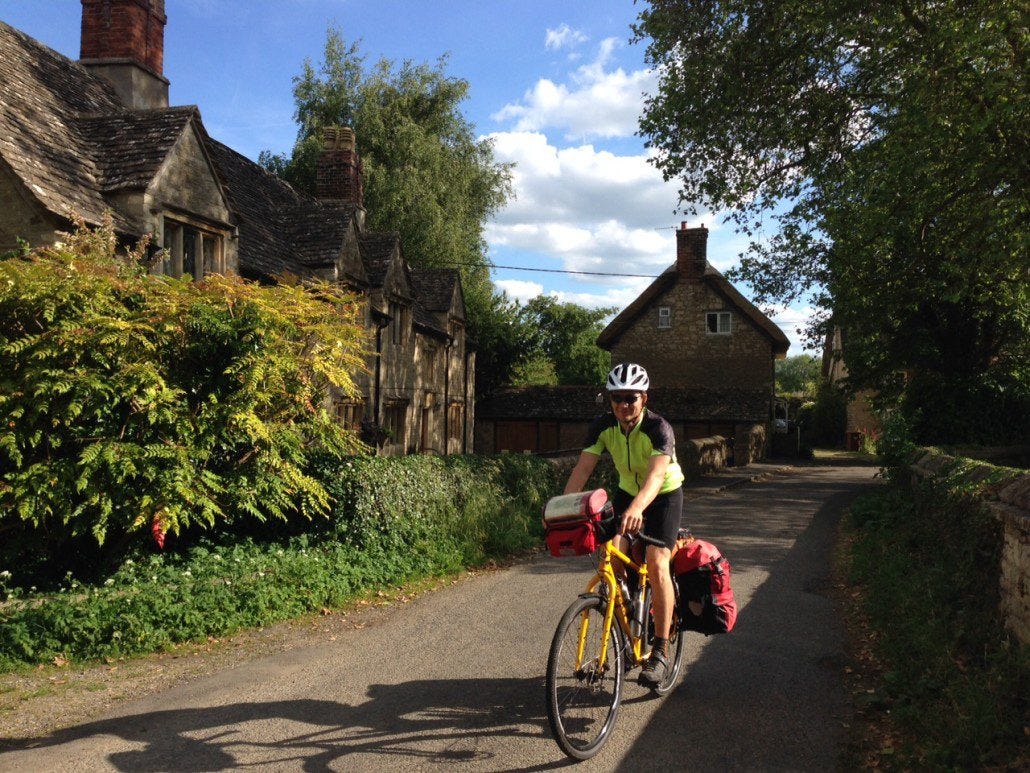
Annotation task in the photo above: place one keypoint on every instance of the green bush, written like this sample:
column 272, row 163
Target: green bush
column 129, row 400
column 928, row 561
column 823, row 421
column 392, row 520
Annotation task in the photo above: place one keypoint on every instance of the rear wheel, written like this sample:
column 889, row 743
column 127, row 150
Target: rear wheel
column 583, row 698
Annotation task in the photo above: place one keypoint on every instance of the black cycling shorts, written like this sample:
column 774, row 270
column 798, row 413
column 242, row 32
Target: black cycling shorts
column 661, row 517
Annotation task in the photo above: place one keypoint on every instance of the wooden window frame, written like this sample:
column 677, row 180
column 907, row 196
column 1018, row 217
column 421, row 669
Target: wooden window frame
column 664, row 317
column 720, row 317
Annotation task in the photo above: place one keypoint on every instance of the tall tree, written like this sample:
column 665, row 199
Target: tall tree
column 426, row 174
column 506, row 340
column 887, row 143
column 801, row 373
column 567, row 334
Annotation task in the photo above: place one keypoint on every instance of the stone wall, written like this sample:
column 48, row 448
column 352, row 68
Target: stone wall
column 21, row 217
column 1007, row 493
column 704, row 456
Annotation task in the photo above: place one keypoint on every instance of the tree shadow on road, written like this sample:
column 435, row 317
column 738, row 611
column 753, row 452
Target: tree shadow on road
column 438, row 721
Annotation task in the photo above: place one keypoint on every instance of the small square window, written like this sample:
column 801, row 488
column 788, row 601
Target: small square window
column 718, row 322
column 664, row 317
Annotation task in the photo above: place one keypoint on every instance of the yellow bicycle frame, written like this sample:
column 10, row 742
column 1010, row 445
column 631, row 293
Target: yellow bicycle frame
column 616, row 610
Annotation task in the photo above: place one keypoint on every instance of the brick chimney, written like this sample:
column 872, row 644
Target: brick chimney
column 691, row 251
column 123, row 42
column 338, row 174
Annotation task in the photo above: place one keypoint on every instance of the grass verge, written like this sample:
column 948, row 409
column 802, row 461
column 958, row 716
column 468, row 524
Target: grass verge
column 937, row 683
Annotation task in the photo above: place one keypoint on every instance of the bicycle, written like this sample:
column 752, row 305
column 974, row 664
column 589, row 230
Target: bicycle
column 602, row 636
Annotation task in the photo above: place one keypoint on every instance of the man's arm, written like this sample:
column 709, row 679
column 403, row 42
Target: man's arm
column 581, row 472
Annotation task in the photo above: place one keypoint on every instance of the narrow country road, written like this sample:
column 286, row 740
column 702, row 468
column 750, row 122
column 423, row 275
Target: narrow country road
column 454, row 680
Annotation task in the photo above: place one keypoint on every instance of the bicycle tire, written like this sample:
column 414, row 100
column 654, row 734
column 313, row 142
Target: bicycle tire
column 676, row 637
column 583, row 704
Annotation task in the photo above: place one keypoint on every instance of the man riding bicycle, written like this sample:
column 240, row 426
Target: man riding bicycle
column 650, row 493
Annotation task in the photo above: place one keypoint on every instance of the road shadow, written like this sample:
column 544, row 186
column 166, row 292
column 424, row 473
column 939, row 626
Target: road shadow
column 769, row 695
column 439, row 721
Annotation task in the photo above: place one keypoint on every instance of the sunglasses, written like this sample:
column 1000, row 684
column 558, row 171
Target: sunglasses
column 625, row 399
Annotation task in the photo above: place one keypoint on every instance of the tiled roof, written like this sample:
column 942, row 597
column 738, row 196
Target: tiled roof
column 667, row 279
column 377, row 249
column 256, row 196
column 579, row 403
column 41, row 95
column 569, row 403
column 281, row 230
column 316, row 229
column 435, row 287
column 130, row 146
column 710, row 404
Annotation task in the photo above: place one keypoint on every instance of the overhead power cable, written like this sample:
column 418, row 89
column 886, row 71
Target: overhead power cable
column 545, row 270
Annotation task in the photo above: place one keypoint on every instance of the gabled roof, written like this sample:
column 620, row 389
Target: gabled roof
column 439, row 290
column 437, row 297
column 43, row 93
column 377, row 252
column 281, row 230
column 317, row 230
column 129, row 146
column 579, row 403
column 713, row 278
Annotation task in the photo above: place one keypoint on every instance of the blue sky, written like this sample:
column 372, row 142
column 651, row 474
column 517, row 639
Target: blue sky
column 557, row 86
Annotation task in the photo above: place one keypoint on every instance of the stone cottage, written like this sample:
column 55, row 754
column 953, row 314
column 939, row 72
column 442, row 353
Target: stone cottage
column 98, row 135
column 709, row 351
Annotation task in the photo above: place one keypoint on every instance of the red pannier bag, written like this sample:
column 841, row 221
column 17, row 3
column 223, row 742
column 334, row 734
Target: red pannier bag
column 704, row 598
column 571, row 520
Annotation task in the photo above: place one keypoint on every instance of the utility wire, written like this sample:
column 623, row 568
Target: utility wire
column 587, row 273
column 566, row 271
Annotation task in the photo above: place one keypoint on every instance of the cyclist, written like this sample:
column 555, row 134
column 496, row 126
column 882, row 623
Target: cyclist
column 650, row 493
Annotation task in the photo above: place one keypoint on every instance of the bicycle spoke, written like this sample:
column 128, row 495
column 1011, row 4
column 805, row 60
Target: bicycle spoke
column 583, row 701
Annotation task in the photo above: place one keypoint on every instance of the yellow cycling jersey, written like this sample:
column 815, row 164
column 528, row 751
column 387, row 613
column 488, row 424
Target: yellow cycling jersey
column 652, row 436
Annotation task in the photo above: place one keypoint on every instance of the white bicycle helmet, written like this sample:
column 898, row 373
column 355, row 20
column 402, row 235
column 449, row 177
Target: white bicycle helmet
column 627, row 377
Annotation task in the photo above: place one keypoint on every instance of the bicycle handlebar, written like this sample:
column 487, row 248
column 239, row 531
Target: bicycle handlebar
column 648, row 540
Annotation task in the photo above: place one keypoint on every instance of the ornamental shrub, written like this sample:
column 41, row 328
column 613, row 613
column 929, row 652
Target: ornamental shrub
column 392, row 520
column 130, row 401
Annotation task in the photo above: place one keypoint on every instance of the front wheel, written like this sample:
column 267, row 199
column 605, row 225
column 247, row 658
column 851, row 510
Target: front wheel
column 583, row 696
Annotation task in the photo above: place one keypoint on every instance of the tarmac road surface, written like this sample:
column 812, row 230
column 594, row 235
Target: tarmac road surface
column 455, row 679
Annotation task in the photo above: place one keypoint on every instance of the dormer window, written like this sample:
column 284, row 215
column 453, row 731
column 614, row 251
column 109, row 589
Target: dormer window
column 191, row 251
column 664, row 317
column 718, row 322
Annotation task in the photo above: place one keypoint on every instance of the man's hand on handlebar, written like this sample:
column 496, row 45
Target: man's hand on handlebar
column 632, row 521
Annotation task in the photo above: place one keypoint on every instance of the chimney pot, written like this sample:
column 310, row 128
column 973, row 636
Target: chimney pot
column 338, row 173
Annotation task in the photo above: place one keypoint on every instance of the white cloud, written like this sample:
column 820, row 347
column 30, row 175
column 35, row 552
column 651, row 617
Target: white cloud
column 793, row 321
column 597, row 102
column 589, row 209
column 563, row 35
column 520, row 289
column 581, row 185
